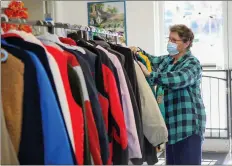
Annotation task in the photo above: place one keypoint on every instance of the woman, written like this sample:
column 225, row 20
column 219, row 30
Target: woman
column 178, row 78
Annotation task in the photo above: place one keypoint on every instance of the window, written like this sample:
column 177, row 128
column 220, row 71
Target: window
column 205, row 18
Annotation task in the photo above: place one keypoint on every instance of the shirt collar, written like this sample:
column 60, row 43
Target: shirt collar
column 188, row 53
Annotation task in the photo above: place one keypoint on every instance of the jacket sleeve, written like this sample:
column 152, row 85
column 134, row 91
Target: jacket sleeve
column 181, row 78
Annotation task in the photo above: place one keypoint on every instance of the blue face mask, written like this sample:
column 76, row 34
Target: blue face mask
column 172, row 49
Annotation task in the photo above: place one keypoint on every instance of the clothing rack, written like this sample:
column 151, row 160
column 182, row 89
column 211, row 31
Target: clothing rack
column 51, row 26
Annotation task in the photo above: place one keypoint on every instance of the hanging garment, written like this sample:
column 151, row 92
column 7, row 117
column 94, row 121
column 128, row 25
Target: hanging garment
column 8, row 153
column 90, row 57
column 76, row 110
column 140, row 59
column 102, row 43
column 150, row 153
column 78, row 96
column 56, row 142
column 69, row 41
column 96, row 70
column 57, row 148
column 135, row 106
column 153, row 123
column 117, row 80
column 30, row 43
column 145, row 60
column 106, row 45
column 12, row 83
column 51, row 68
column 96, row 108
column 102, row 97
column 30, row 149
column 121, row 57
column 92, row 129
column 112, row 87
column 133, row 142
column 138, row 120
column 116, row 126
column 149, row 150
column 130, row 69
column 148, row 63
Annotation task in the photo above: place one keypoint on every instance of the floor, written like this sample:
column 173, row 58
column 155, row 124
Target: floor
column 208, row 159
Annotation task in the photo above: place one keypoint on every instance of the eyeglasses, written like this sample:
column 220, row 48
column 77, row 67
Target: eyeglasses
column 173, row 40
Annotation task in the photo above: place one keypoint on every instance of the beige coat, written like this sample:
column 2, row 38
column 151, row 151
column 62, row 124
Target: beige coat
column 12, row 97
column 8, row 154
column 154, row 127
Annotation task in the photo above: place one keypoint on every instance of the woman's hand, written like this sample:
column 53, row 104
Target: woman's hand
column 144, row 69
column 134, row 49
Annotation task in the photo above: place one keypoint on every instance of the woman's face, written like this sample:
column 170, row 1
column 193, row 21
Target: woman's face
column 175, row 38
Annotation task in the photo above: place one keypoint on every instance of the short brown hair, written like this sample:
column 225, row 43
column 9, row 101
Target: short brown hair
column 185, row 33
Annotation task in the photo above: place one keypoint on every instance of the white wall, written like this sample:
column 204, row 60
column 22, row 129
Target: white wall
column 140, row 24
column 35, row 9
column 73, row 12
column 139, row 20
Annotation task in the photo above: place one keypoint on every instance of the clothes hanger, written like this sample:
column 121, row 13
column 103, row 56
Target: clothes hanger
column 5, row 53
column 64, row 32
column 5, row 18
column 86, row 38
column 54, row 38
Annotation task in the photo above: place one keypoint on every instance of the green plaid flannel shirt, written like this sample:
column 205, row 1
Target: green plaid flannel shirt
column 184, row 109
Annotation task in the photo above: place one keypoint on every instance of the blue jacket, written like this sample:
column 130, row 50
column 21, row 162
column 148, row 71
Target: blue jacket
column 57, row 147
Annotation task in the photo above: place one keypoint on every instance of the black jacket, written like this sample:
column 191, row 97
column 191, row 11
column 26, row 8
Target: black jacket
column 130, row 69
